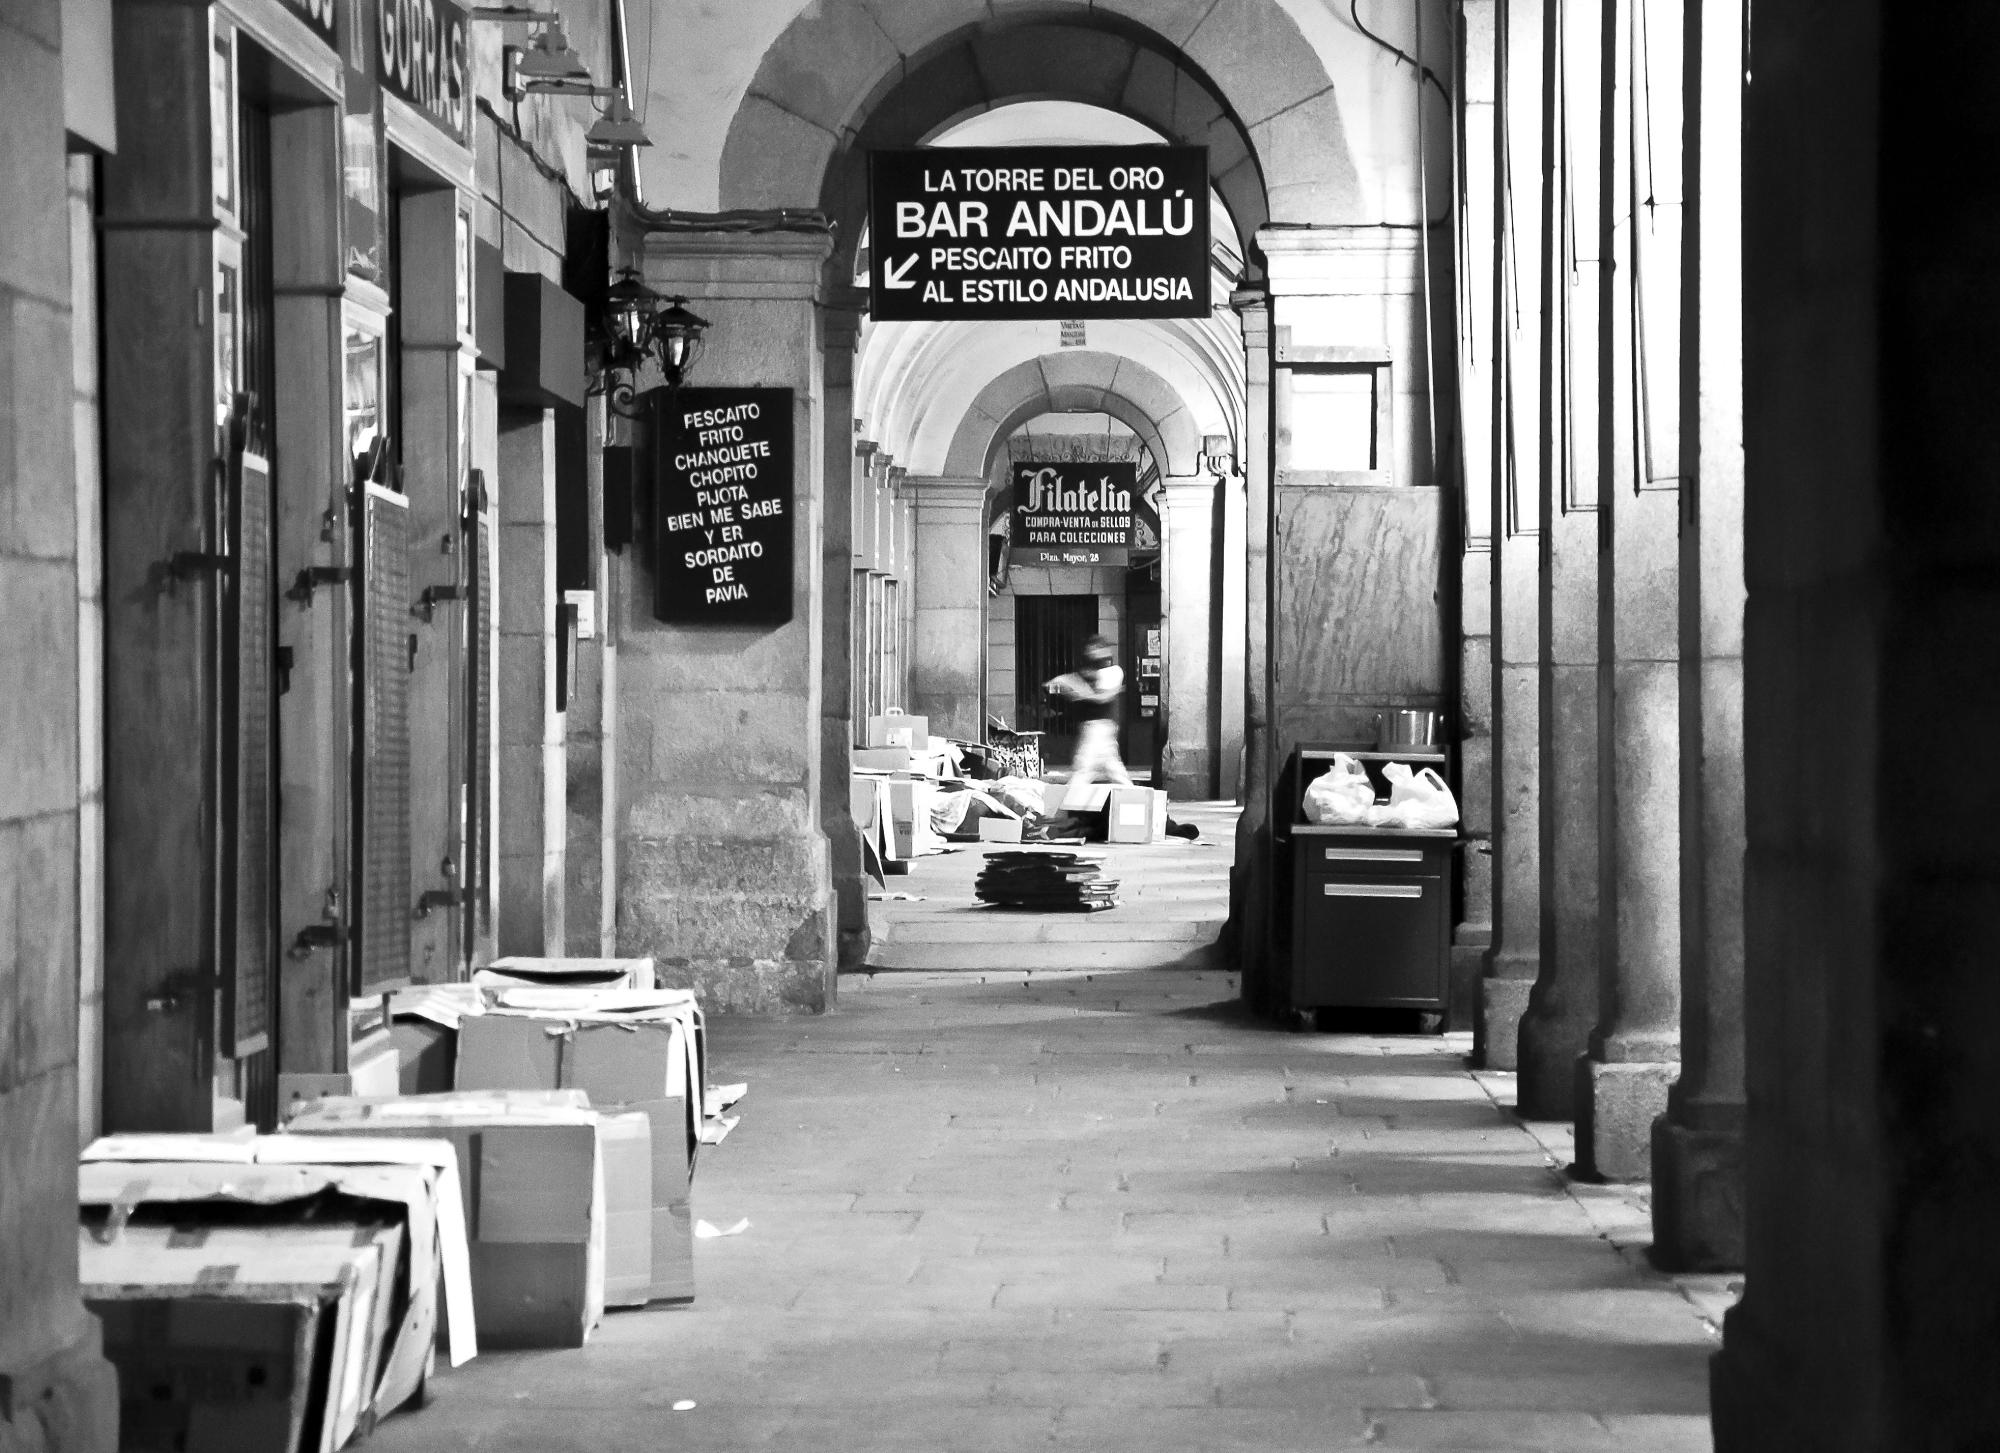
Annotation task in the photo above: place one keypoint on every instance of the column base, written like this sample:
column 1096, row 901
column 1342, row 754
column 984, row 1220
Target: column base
column 1760, row 1398
column 1697, row 1197
column 1552, row 1037
column 66, row 1403
column 1503, row 1000
column 1468, row 959
column 1616, row 1105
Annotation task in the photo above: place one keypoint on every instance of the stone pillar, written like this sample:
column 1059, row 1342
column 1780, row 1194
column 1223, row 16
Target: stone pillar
column 533, row 823
column 1189, row 525
column 1698, row 1145
column 1515, row 958
column 60, row 1394
column 723, row 867
column 1871, row 293
column 840, row 330
column 1230, row 630
column 1562, row 1007
column 1250, row 875
column 950, row 570
column 1472, row 937
column 590, row 737
column 1634, row 1049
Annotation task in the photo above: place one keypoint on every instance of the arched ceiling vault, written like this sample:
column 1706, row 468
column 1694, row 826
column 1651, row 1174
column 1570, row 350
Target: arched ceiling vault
column 848, row 76
column 1075, row 382
column 918, row 383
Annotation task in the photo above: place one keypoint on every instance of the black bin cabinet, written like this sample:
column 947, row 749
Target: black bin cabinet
column 1370, row 908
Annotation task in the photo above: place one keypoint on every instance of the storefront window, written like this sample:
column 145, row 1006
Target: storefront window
column 1333, row 419
column 364, row 390
column 228, row 336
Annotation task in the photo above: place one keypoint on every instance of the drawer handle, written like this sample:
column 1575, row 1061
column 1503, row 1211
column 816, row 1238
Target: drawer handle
column 1374, row 855
column 1374, row 890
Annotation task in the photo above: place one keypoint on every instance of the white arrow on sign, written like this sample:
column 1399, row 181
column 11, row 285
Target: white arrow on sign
column 897, row 275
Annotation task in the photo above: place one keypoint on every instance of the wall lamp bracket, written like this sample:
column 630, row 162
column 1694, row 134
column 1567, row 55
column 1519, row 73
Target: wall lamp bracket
column 513, row 15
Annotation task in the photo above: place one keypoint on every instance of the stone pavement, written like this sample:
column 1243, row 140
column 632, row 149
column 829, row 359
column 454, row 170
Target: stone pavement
column 1094, row 1208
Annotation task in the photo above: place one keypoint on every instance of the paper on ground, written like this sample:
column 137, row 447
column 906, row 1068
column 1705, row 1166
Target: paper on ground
column 707, row 1231
column 712, row 1131
column 721, row 1097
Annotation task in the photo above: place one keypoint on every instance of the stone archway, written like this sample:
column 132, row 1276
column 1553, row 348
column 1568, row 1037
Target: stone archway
column 848, row 76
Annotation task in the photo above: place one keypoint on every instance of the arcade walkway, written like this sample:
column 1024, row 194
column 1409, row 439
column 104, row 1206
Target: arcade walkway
column 1093, row 1208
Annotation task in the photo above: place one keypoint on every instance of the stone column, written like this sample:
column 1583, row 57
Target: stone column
column 60, row 1393
column 723, row 867
column 1871, row 293
column 1472, row 937
column 1634, row 1049
column 1189, row 525
column 840, row 330
column 1250, row 875
column 1562, row 1007
column 1229, row 625
column 590, row 737
column 533, row 823
column 1515, row 958
column 950, row 568
column 1698, row 1145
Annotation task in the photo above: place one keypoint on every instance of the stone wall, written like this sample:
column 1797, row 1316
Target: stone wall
column 55, row 1390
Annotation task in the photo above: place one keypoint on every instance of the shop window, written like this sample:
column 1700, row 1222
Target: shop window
column 1334, row 419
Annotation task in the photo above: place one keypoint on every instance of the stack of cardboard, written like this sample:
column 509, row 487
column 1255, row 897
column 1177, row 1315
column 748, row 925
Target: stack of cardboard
column 1045, row 880
column 257, row 1292
column 536, row 1205
column 634, row 1051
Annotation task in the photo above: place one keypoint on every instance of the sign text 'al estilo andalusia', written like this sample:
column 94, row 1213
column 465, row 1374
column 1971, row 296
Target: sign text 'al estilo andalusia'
column 722, row 510
column 1028, row 232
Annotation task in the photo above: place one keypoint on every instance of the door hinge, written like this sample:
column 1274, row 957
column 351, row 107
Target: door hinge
column 437, row 898
column 313, row 577
column 179, row 987
column 434, row 596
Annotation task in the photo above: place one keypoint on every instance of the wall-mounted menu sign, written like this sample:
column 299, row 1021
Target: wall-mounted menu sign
column 722, row 509
column 425, row 59
column 1038, row 232
column 1074, row 514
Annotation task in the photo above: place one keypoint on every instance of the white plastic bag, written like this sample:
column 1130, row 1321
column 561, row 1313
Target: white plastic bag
column 1341, row 794
column 1417, row 799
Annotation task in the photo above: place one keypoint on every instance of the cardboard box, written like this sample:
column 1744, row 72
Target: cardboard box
column 882, row 759
column 646, row 1057
column 626, row 1143
column 521, row 971
column 1000, row 829
column 413, row 1184
column 865, row 797
column 425, row 1054
column 374, row 1067
column 910, row 831
column 235, row 1339
column 534, row 1201
column 1135, row 815
column 899, row 729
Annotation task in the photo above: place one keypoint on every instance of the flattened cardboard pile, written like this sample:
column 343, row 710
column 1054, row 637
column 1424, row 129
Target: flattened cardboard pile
column 1050, row 881
column 251, row 1302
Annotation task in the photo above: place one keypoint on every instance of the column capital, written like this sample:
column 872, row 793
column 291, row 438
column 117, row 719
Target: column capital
column 1188, row 492
column 945, row 492
column 1339, row 261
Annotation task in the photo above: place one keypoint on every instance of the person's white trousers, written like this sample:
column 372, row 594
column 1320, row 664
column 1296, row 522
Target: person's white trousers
column 1097, row 755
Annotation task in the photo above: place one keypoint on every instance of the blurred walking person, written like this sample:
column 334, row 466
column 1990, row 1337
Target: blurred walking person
column 1094, row 692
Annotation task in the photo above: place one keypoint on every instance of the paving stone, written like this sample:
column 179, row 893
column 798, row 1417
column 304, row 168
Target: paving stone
column 1107, row 1212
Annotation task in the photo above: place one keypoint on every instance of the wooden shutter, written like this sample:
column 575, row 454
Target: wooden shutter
column 248, row 799
column 383, row 646
column 478, row 556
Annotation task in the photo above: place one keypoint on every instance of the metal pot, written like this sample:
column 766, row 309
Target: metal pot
column 1405, row 729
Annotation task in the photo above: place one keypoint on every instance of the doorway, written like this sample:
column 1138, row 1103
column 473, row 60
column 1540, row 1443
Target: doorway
column 1049, row 632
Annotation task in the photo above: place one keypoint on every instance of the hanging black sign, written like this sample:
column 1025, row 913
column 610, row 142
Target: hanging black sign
column 1074, row 514
column 722, row 510
column 1061, row 232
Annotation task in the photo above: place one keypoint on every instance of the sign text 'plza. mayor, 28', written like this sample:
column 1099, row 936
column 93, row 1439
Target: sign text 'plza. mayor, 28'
column 722, row 507
column 1038, row 232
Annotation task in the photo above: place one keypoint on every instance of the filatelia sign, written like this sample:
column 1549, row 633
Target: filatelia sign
column 723, row 507
column 1039, row 232
column 1074, row 514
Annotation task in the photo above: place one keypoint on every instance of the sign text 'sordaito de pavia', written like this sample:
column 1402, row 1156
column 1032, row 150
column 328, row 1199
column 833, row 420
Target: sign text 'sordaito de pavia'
column 723, row 508
column 1039, row 232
